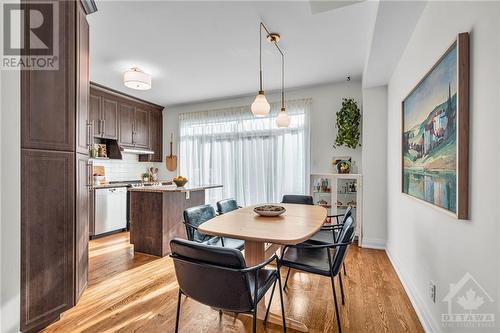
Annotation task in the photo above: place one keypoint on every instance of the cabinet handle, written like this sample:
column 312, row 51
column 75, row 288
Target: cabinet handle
column 89, row 175
column 89, row 134
column 103, row 126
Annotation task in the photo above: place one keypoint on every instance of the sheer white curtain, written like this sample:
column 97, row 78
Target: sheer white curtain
column 254, row 160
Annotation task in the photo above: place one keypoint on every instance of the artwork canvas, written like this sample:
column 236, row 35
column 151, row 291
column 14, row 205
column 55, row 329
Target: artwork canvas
column 434, row 138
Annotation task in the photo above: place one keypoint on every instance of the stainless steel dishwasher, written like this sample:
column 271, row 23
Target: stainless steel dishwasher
column 110, row 210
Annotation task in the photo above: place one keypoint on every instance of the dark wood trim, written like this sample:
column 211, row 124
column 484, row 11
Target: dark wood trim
column 462, row 199
column 114, row 92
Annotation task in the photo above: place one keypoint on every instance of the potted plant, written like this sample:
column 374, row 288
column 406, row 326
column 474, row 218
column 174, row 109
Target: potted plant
column 145, row 177
column 348, row 120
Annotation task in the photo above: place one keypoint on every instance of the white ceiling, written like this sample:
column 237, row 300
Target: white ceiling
column 205, row 50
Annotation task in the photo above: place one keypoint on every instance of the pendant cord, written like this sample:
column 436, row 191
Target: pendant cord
column 262, row 26
column 260, row 56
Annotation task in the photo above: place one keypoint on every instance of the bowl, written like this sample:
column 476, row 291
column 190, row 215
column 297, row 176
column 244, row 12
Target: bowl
column 269, row 210
column 180, row 183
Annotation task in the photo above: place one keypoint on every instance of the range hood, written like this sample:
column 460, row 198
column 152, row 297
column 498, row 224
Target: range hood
column 137, row 151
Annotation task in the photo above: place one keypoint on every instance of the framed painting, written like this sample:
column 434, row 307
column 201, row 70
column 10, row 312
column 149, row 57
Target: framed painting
column 435, row 126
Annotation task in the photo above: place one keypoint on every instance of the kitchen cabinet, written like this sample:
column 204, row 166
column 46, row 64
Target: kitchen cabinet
column 47, row 236
column 141, row 128
column 55, row 135
column 83, row 194
column 133, row 122
column 155, row 137
column 103, row 110
column 126, row 128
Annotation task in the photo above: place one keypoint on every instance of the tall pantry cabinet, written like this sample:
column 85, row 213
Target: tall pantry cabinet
column 56, row 174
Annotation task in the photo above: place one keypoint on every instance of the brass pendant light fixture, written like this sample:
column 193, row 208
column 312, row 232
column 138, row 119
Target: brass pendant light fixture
column 260, row 107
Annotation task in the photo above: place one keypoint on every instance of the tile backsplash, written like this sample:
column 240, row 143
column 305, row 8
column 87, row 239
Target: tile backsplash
column 128, row 168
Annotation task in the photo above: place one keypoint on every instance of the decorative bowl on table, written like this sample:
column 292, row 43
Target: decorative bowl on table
column 180, row 181
column 269, row 210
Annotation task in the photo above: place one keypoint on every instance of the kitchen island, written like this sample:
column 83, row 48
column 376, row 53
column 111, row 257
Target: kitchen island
column 156, row 215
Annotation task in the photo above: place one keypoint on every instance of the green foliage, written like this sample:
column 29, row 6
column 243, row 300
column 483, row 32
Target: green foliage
column 348, row 120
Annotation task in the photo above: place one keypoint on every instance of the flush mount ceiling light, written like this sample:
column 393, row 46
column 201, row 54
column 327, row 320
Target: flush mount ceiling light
column 260, row 107
column 135, row 78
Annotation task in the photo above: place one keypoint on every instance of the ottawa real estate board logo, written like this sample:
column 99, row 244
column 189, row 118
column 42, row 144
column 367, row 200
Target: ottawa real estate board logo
column 30, row 36
column 469, row 305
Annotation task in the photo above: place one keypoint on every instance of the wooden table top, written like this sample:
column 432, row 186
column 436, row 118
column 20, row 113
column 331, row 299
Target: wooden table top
column 296, row 225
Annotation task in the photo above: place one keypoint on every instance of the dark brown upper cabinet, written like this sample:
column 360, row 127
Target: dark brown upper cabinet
column 141, row 128
column 133, row 117
column 155, row 137
column 126, row 129
column 103, row 110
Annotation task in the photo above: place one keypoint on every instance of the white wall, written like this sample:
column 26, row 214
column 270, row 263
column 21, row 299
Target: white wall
column 374, row 152
column 326, row 100
column 424, row 243
column 10, row 226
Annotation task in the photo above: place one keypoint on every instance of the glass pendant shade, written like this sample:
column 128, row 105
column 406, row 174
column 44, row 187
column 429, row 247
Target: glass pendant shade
column 260, row 106
column 135, row 78
column 283, row 119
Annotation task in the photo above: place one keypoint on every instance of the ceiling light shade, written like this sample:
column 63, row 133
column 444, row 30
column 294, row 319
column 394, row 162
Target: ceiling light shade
column 283, row 119
column 260, row 106
column 135, row 78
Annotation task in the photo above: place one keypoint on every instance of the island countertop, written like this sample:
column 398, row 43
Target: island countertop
column 173, row 188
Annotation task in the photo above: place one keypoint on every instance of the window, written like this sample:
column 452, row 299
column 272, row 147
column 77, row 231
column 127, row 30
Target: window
column 254, row 160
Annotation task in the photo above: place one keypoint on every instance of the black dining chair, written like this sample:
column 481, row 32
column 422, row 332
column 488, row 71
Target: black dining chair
column 218, row 277
column 196, row 216
column 226, row 206
column 321, row 259
column 297, row 199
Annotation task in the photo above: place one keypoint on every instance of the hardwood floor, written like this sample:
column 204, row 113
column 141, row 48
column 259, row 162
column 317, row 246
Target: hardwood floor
column 130, row 292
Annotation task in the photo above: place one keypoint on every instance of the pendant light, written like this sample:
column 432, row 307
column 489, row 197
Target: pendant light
column 260, row 106
column 135, row 78
column 283, row 119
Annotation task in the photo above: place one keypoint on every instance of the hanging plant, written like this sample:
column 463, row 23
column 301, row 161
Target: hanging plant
column 348, row 119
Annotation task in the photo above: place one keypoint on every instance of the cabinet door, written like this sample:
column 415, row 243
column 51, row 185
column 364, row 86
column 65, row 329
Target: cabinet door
column 109, row 118
column 126, row 124
column 47, row 236
column 95, row 114
column 82, row 84
column 141, row 129
column 83, row 174
column 48, row 96
column 155, row 137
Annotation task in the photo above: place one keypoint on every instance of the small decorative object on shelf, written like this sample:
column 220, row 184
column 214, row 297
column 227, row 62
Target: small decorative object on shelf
column 269, row 210
column 93, row 151
column 343, row 166
column 145, row 177
column 101, row 150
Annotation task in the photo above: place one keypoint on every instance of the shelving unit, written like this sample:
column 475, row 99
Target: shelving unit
column 336, row 192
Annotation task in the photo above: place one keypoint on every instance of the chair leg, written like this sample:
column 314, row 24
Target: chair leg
column 282, row 303
column 341, row 289
column 286, row 279
column 336, row 305
column 178, row 312
column 269, row 305
column 254, row 327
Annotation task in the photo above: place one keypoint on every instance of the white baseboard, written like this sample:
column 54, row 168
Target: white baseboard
column 423, row 313
column 377, row 244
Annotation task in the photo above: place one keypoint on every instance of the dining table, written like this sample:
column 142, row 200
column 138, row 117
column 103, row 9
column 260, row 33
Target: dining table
column 265, row 235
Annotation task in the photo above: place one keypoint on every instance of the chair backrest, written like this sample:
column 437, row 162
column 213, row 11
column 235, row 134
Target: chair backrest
column 197, row 216
column 210, row 275
column 346, row 236
column 226, row 206
column 297, row 199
